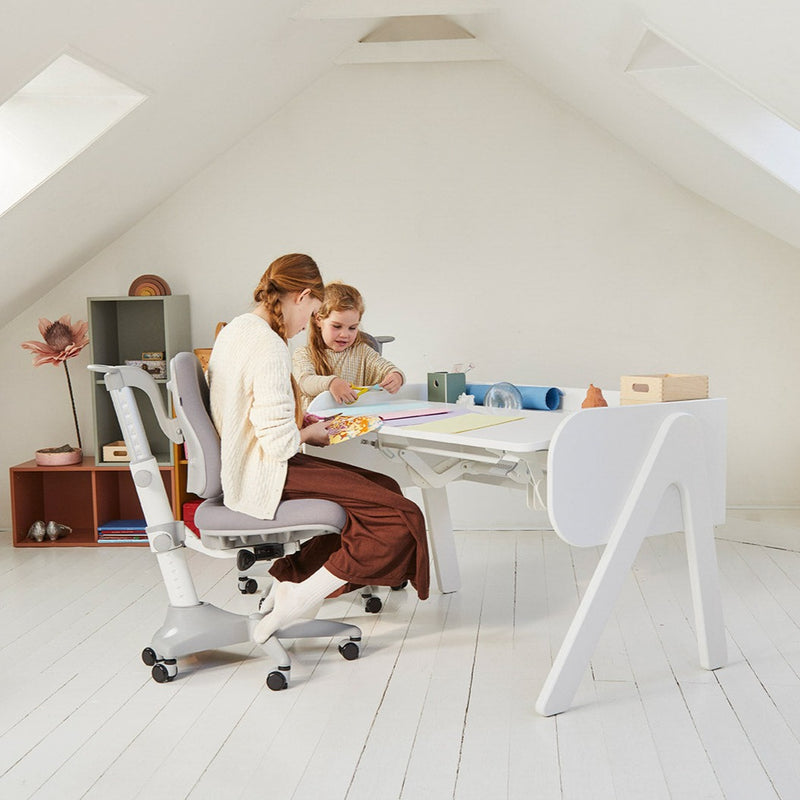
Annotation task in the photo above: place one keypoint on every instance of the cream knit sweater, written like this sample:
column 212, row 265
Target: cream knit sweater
column 252, row 406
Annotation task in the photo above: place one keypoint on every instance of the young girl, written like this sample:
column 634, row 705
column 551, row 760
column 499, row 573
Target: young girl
column 337, row 356
column 254, row 408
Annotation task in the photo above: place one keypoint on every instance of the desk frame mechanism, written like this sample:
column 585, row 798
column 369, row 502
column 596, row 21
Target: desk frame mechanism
column 496, row 467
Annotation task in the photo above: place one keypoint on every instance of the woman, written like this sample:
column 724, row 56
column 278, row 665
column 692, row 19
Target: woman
column 255, row 409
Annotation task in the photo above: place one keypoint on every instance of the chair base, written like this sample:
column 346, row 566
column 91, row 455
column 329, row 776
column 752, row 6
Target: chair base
column 192, row 629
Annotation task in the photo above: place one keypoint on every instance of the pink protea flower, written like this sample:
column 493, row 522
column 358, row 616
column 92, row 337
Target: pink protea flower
column 62, row 340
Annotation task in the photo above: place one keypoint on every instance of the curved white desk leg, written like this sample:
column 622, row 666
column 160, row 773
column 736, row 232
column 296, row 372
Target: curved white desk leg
column 675, row 457
column 440, row 535
column 703, row 574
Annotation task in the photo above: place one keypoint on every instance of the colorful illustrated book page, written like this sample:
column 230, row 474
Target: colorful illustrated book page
column 343, row 428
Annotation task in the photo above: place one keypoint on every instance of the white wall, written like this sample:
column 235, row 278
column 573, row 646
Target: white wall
column 483, row 221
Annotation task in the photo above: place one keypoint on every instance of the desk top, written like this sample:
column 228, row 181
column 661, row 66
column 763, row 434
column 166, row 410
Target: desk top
column 532, row 433
column 527, row 435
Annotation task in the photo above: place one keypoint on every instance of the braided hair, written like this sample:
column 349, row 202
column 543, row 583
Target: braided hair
column 290, row 273
column 294, row 272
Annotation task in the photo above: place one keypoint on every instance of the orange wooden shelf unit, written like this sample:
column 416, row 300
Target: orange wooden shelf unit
column 83, row 496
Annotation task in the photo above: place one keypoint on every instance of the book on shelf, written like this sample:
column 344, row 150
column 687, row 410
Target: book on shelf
column 122, row 539
column 122, row 530
column 114, row 525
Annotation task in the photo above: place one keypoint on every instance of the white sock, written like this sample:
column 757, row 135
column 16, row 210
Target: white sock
column 267, row 601
column 295, row 601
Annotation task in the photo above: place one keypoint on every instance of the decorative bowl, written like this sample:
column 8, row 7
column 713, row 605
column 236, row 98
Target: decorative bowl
column 56, row 457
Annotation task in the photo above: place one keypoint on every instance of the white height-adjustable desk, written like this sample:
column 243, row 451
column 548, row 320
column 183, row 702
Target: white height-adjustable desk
column 613, row 476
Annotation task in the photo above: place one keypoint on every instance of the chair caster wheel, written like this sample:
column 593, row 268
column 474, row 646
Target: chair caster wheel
column 248, row 585
column 373, row 605
column 350, row 650
column 149, row 656
column 276, row 680
column 401, row 586
column 161, row 673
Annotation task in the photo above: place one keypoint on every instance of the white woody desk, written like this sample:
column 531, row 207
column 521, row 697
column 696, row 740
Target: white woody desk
column 613, row 476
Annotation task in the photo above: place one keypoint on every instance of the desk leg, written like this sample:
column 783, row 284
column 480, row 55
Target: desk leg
column 675, row 458
column 440, row 536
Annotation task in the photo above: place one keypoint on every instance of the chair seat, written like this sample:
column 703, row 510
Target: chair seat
column 223, row 529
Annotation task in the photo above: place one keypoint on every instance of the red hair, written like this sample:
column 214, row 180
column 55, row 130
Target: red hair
column 294, row 272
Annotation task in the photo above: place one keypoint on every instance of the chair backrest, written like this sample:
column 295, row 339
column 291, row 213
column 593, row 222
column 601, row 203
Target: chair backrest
column 190, row 399
column 376, row 342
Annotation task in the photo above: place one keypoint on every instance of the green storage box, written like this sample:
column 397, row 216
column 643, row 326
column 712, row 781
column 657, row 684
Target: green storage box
column 445, row 387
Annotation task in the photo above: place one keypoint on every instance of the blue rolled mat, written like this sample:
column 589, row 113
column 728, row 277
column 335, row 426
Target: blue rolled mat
column 539, row 398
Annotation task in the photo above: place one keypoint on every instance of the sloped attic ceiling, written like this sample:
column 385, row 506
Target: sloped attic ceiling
column 213, row 71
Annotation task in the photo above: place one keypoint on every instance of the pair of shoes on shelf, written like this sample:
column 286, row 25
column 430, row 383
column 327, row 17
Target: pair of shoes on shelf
column 53, row 531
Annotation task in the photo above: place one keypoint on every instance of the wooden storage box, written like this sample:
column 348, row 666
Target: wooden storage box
column 115, row 451
column 662, row 388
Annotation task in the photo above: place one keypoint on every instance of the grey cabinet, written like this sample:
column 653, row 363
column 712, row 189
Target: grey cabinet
column 120, row 329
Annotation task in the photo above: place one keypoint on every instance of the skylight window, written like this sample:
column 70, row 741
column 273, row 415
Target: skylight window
column 52, row 119
column 712, row 101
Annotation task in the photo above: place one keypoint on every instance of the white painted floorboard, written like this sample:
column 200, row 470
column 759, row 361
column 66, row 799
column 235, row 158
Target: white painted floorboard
column 440, row 705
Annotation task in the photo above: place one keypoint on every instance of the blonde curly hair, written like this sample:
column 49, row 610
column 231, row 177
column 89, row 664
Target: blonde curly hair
column 338, row 297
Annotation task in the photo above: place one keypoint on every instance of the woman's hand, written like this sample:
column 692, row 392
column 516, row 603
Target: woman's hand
column 342, row 391
column 315, row 433
column 392, row 382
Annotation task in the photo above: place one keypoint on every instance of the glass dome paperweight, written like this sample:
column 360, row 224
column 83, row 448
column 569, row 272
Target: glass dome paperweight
column 503, row 395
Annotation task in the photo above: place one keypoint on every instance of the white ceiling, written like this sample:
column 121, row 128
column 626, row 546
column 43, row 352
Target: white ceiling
column 215, row 70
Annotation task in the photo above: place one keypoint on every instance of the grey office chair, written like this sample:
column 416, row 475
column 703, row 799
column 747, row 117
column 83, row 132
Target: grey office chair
column 192, row 626
column 220, row 528
column 376, row 342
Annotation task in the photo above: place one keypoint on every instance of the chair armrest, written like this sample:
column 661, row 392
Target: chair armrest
column 116, row 377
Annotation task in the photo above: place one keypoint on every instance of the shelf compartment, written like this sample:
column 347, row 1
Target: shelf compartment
column 120, row 330
column 59, row 494
column 115, row 495
column 82, row 496
column 109, row 429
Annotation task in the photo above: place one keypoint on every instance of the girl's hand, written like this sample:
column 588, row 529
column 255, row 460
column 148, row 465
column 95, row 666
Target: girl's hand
column 392, row 382
column 315, row 433
column 342, row 391
column 309, row 419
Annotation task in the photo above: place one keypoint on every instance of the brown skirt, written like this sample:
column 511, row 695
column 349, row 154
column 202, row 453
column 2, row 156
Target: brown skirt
column 383, row 542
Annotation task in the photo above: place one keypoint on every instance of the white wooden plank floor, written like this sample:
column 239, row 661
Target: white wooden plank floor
column 439, row 706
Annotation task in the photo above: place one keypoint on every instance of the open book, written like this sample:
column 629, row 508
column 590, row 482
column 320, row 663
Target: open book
column 342, row 428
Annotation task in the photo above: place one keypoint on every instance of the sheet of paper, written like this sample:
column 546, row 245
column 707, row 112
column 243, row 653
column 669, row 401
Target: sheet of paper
column 375, row 409
column 413, row 412
column 460, row 424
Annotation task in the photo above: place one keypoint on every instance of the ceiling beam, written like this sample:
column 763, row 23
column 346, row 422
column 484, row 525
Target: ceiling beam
column 368, row 9
column 418, row 51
